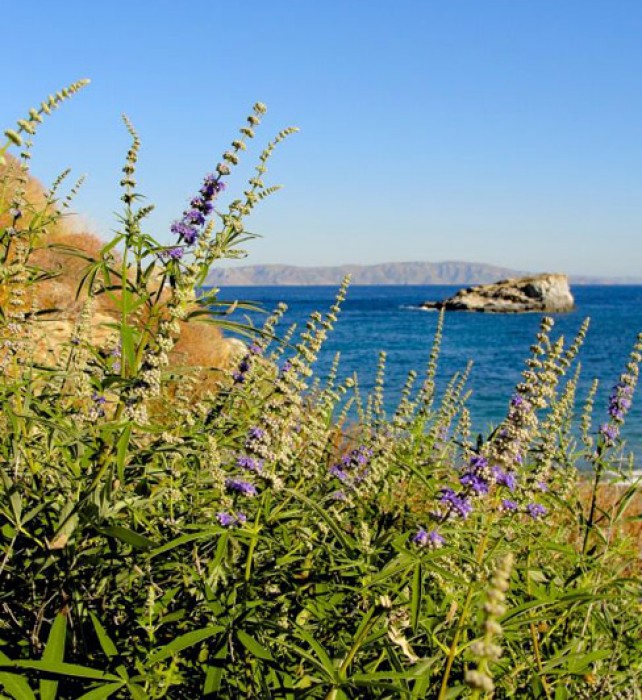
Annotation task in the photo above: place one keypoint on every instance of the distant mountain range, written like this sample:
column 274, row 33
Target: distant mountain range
column 449, row 272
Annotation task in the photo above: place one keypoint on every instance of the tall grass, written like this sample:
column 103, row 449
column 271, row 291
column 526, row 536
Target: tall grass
column 162, row 536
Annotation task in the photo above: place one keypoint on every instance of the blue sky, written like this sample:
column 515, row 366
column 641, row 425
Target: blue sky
column 499, row 131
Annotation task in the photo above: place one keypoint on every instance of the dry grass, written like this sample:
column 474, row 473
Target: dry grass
column 201, row 345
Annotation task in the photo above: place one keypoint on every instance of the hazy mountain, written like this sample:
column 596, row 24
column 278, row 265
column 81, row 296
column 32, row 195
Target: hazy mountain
column 449, row 272
column 461, row 273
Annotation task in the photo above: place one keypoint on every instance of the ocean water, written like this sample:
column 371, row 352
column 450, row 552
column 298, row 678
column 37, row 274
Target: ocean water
column 375, row 318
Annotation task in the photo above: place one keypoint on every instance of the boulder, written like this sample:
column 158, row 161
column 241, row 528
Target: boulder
column 536, row 293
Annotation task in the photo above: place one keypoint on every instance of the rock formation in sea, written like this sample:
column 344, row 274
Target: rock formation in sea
column 544, row 293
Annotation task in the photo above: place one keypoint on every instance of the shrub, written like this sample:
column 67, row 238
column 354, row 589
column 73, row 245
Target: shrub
column 260, row 541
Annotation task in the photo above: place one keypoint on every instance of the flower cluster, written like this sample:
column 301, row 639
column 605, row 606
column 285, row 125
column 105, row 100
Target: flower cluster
column 231, row 519
column 240, row 374
column 621, row 398
column 352, row 468
column 190, row 226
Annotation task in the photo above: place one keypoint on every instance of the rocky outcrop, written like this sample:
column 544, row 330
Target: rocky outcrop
column 544, row 293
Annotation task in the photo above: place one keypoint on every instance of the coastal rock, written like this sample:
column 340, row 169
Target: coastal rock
column 544, row 293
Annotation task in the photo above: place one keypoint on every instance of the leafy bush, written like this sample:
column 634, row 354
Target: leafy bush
column 279, row 536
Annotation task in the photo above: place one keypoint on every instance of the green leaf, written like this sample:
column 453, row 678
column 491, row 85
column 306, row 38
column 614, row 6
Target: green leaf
column 417, row 594
column 54, row 652
column 63, row 669
column 214, row 673
column 184, row 642
column 106, row 644
column 253, row 646
column 121, row 453
column 102, row 692
column 16, row 686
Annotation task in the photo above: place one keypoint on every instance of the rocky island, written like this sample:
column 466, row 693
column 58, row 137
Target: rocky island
column 543, row 293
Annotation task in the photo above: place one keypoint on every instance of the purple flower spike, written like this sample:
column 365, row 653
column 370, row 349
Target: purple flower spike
column 475, row 482
column 257, row 433
column 429, row 538
column 536, row 510
column 503, row 478
column 190, row 226
column 509, row 505
column 244, row 487
column 249, row 463
column 458, row 504
column 230, row 520
column 610, row 432
column 335, row 470
column 477, row 463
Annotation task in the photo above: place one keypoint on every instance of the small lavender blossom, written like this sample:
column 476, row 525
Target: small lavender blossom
column 250, row 463
column 287, row 366
column 509, row 505
column 244, row 487
column 504, row 478
column 620, row 401
column 478, row 463
column 339, row 496
column 610, row 432
column 536, row 510
column 542, row 486
column 175, row 253
column 476, row 483
column 256, row 433
column 458, row 504
column 335, row 470
column 185, row 232
column 255, row 349
column 229, row 519
column 430, row 538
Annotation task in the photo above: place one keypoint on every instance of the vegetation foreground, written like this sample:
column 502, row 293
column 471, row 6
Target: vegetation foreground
column 251, row 531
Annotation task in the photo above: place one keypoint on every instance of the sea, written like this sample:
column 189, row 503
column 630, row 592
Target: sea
column 389, row 318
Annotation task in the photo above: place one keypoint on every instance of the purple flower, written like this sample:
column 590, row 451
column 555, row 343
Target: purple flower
column 338, row 496
column 287, row 366
column 542, row 486
column 255, row 349
column 509, row 505
column 336, row 470
column 536, row 510
column 429, row 538
column 477, row 462
column 620, row 400
column 244, row 487
column 229, row 520
column 226, row 519
column 201, row 206
column 98, row 399
column 503, row 478
column 185, row 232
column 610, row 432
column 458, row 504
column 249, row 463
column 256, row 433
column 474, row 482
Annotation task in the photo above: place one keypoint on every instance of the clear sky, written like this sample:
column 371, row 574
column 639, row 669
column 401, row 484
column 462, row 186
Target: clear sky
column 499, row 131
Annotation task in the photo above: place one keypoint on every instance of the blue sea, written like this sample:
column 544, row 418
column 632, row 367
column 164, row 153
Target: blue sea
column 375, row 318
